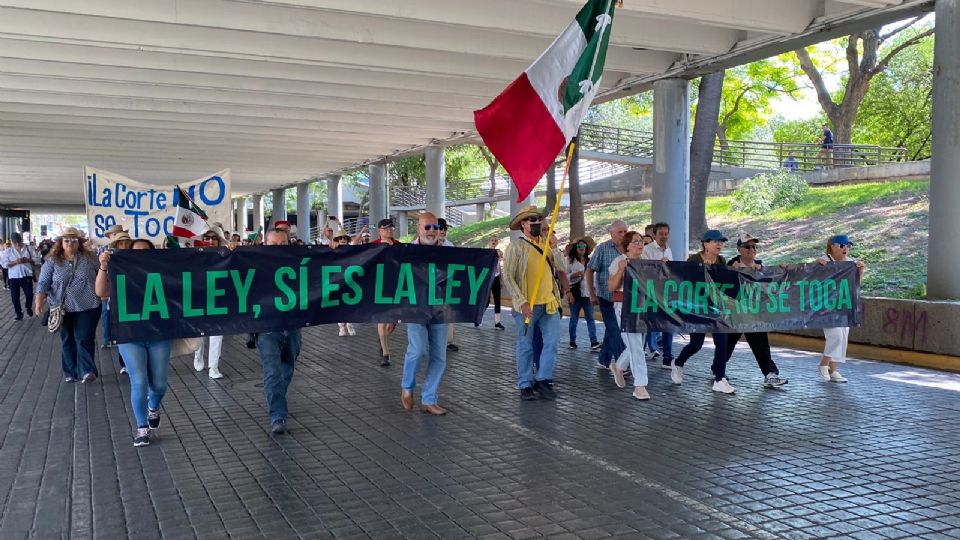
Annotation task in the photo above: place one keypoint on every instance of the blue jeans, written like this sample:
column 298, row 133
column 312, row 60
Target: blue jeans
column 662, row 341
column 78, row 340
column 428, row 340
column 105, row 321
column 612, row 343
column 585, row 305
column 148, row 363
column 278, row 354
column 549, row 326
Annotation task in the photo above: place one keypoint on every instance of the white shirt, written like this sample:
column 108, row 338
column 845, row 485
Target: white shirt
column 652, row 252
column 574, row 268
column 11, row 254
column 615, row 267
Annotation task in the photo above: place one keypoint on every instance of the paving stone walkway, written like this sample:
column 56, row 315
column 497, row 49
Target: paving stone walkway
column 876, row 458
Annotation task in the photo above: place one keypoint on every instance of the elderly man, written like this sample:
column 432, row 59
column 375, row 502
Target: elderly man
column 278, row 353
column 19, row 259
column 425, row 340
column 385, row 230
column 535, row 301
column 599, row 266
column 658, row 250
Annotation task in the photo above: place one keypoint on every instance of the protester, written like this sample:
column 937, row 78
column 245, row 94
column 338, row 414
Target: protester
column 747, row 247
column 578, row 256
column 451, row 328
column 596, row 275
column 536, row 302
column 385, row 230
column 213, row 237
column 632, row 355
column 712, row 243
column 148, row 362
column 658, row 250
column 425, row 340
column 495, row 291
column 365, row 236
column 340, row 239
column 18, row 260
column 3, row 263
column 68, row 278
column 835, row 348
column 118, row 241
column 278, row 352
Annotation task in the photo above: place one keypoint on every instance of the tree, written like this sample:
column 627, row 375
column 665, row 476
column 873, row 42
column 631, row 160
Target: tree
column 864, row 62
column 493, row 166
column 701, row 148
column 577, row 222
column 747, row 94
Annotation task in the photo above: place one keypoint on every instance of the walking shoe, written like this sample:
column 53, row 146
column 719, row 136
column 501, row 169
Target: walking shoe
column 640, row 392
column 198, row 363
column 30, row 313
column 602, row 367
column 89, row 378
column 153, row 418
column 351, row 330
column 406, row 399
column 655, row 355
column 676, row 374
column 123, row 370
column 433, row 409
column 526, row 394
column 452, row 347
column 545, row 389
column 215, row 373
column 667, row 364
column 69, row 379
column 278, row 427
column 573, row 344
column 18, row 318
column 773, row 380
column 343, row 331
column 499, row 326
column 837, row 377
column 825, row 373
column 142, row 438
column 595, row 346
column 618, row 376
column 385, row 361
column 723, row 386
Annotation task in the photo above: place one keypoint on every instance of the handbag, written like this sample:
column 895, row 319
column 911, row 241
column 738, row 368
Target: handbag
column 185, row 346
column 56, row 313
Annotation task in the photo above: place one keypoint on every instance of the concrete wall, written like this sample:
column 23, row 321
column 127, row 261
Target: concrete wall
column 891, row 171
column 636, row 184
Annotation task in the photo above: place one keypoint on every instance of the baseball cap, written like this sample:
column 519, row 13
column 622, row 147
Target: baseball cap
column 746, row 239
column 385, row 223
column 443, row 223
column 713, row 234
column 841, row 239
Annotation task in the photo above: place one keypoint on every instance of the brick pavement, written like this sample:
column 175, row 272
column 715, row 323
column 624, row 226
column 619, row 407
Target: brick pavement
column 876, row 458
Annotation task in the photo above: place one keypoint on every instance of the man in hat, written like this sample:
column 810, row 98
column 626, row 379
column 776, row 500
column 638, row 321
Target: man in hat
column 19, row 259
column 536, row 304
column 442, row 241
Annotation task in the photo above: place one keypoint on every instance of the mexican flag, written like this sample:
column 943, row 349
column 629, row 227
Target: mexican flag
column 191, row 220
column 530, row 123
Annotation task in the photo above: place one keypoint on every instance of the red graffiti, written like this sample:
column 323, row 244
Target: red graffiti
column 906, row 324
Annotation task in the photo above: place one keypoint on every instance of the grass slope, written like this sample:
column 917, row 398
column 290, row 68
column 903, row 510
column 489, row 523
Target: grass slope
column 887, row 220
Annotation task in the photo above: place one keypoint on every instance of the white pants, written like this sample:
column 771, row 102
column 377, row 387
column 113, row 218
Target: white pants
column 836, row 345
column 633, row 356
column 216, row 344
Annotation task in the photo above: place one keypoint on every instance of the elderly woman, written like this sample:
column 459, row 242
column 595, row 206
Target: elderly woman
column 212, row 237
column 835, row 348
column 339, row 240
column 68, row 279
column 711, row 243
column 578, row 256
column 632, row 355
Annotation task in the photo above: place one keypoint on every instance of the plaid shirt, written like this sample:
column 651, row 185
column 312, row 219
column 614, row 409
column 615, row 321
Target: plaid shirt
column 600, row 261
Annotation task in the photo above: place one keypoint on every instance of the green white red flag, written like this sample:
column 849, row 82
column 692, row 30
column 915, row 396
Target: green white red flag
column 191, row 220
column 534, row 118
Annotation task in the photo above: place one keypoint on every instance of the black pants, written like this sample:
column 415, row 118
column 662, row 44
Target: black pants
column 6, row 279
column 24, row 284
column 760, row 345
column 495, row 292
column 720, row 356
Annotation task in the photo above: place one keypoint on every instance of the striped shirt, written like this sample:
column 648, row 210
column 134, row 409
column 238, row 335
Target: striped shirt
column 600, row 261
column 80, row 293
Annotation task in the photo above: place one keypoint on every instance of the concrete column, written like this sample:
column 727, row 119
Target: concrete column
column 436, row 181
column 943, row 282
column 240, row 216
column 279, row 206
column 377, row 174
column 403, row 224
column 335, row 197
column 516, row 206
column 671, row 161
column 303, row 212
column 257, row 212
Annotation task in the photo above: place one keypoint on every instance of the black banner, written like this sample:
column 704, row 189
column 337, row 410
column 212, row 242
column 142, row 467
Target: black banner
column 214, row 291
column 689, row 297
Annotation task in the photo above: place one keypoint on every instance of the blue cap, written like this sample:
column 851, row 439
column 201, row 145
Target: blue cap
column 713, row 234
column 841, row 239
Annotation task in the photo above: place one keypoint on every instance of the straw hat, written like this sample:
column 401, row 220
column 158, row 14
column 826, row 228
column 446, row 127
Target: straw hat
column 71, row 232
column 586, row 239
column 341, row 234
column 524, row 213
column 115, row 229
column 119, row 237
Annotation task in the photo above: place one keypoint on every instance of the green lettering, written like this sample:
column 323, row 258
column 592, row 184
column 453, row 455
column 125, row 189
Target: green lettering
column 405, row 287
column 802, row 287
column 378, row 297
column 327, row 286
column 829, row 296
column 771, row 305
column 784, row 297
column 242, row 287
column 668, row 287
column 350, row 276
column 453, row 282
column 188, row 309
column 291, row 297
column 651, row 297
column 816, row 295
column 476, row 281
column 844, row 296
column 304, row 283
column 213, row 292
column 122, row 314
column 432, row 298
column 154, row 299
column 685, row 297
column 701, row 291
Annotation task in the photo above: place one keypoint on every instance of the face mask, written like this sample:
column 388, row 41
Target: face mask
column 536, row 229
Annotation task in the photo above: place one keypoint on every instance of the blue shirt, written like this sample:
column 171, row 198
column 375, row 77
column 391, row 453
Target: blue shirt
column 600, row 261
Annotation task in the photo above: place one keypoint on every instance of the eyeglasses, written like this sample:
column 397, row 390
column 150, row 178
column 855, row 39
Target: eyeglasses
column 211, row 237
column 431, row 227
column 751, row 247
column 70, row 240
column 636, row 242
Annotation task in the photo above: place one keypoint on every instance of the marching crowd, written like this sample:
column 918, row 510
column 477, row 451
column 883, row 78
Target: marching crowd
column 74, row 286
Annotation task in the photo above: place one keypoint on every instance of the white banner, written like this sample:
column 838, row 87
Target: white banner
column 147, row 210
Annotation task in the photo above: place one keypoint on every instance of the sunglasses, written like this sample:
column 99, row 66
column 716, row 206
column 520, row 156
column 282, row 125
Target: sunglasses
column 431, row 227
column 70, row 240
column 581, row 245
column 751, row 247
column 534, row 219
column 211, row 237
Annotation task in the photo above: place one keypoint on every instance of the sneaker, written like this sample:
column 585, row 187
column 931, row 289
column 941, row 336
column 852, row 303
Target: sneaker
column 602, row 367
column 30, row 313
column 545, row 389
column 825, row 373
column 252, row 341
column 89, row 378
column 773, row 380
column 499, row 326
column 526, row 394
column 123, row 370
column 351, row 330
column 723, row 386
column 573, row 344
column 215, row 374
column 452, row 347
column 385, row 361
column 676, row 374
column 667, row 364
column 343, row 331
column 142, row 438
column 655, row 355
column 595, row 346
column 618, row 376
column 18, row 318
column 641, row 393
column 153, row 418
column 837, row 377
column 198, row 363
column 278, row 427
column 69, row 379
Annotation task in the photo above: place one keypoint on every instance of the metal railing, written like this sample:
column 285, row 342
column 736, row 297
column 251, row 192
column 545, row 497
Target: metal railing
column 618, row 141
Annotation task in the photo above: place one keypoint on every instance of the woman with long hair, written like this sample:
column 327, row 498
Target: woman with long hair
column 835, row 347
column 213, row 237
column 632, row 354
column 578, row 255
column 495, row 289
column 68, row 278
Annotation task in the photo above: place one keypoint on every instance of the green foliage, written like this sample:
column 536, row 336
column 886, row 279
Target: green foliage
column 748, row 91
column 632, row 112
column 827, row 200
column 797, row 131
column 766, row 192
